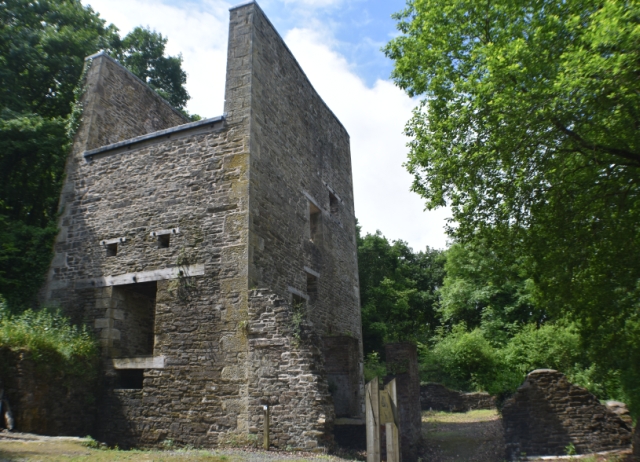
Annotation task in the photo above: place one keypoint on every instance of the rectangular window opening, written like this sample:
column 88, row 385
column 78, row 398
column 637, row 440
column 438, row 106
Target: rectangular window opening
column 333, row 204
column 164, row 240
column 312, row 287
column 136, row 304
column 314, row 222
column 129, row 379
column 112, row 249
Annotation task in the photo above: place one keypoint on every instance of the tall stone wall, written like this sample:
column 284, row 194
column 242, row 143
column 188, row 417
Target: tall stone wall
column 188, row 219
column 402, row 364
column 119, row 106
column 300, row 164
column 548, row 413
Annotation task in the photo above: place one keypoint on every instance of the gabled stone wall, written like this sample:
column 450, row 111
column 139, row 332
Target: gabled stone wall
column 165, row 233
column 548, row 413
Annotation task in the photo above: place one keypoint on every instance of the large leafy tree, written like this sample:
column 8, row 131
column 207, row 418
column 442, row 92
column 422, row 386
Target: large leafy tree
column 398, row 291
column 43, row 44
column 528, row 130
column 142, row 51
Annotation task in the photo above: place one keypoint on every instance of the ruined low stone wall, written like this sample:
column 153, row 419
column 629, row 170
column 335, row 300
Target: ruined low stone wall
column 548, row 413
column 437, row 397
column 45, row 401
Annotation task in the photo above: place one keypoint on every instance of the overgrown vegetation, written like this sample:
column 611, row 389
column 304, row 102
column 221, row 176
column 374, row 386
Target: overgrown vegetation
column 485, row 329
column 50, row 340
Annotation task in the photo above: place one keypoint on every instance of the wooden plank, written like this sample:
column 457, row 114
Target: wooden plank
column 372, row 413
column 392, row 430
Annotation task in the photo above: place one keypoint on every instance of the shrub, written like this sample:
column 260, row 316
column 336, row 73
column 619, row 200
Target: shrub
column 50, row 340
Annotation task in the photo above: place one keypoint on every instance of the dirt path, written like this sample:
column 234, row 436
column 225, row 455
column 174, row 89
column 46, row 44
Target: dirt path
column 475, row 436
column 18, row 447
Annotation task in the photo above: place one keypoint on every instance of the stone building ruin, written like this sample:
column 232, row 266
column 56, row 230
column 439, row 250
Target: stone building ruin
column 548, row 413
column 215, row 260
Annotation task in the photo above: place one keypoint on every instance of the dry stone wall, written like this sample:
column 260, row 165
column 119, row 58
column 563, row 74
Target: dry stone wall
column 437, row 397
column 548, row 413
column 45, row 401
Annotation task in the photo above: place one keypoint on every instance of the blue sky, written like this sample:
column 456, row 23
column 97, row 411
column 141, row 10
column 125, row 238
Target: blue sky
column 337, row 43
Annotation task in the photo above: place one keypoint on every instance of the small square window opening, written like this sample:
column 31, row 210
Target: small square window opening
column 164, row 240
column 112, row 249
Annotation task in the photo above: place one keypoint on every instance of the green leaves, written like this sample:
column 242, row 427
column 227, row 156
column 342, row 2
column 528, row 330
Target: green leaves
column 142, row 52
column 529, row 132
column 397, row 291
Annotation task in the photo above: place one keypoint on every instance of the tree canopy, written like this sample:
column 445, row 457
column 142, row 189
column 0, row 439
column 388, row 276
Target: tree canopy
column 398, row 291
column 43, row 44
column 528, row 130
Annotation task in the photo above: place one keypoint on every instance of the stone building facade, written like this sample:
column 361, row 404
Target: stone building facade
column 548, row 413
column 215, row 260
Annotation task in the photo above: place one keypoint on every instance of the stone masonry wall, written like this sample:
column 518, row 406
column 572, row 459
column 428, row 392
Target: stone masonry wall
column 548, row 413
column 437, row 397
column 287, row 375
column 402, row 364
column 43, row 400
column 300, row 159
column 217, row 355
column 120, row 106
column 195, row 182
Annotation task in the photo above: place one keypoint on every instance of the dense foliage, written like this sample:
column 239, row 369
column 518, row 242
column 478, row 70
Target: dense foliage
column 50, row 340
column 43, row 44
column 397, row 291
column 528, row 131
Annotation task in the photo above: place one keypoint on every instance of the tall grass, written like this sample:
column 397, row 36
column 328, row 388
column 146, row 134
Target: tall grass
column 49, row 339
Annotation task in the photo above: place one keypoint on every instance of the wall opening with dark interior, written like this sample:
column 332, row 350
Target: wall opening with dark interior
column 112, row 249
column 333, row 204
column 314, row 222
column 342, row 367
column 129, row 379
column 312, row 287
column 137, row 305
column 164, row 241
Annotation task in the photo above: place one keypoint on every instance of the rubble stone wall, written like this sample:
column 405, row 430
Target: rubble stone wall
column 44, row 401
column 233, row 196
column 402, row 364
column 548, row 413
column 437, row 397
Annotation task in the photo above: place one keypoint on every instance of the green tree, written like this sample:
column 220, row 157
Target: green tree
column 142, row 52
column 42, row 49
column 484, row 290
column 528, row 131
column 397, row 291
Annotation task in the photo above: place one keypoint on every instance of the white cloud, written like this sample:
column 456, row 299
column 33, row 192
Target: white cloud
column 197, row 30
column 375, row 118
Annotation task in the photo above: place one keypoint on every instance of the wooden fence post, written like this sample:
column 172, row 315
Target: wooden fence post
column 392, row 430
column 372, row 412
